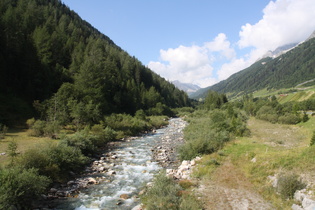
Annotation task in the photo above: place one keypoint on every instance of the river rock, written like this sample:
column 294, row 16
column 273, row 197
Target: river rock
column 124, row 196
column 138, row 207
column 71, row 183
column 91, row 180
column 308, row 204
column 183, row 171
column 111, row 172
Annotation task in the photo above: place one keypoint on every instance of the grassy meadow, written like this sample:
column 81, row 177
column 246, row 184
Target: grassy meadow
column 270, row 150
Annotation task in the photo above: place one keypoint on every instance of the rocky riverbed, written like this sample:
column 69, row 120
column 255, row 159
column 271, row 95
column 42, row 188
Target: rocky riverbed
column 117, row 177
column 165, row 153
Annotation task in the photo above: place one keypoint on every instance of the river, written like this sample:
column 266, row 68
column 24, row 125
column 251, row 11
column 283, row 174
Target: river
column 132, row 168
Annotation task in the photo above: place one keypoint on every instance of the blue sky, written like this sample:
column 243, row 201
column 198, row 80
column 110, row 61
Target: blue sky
column 203, row 41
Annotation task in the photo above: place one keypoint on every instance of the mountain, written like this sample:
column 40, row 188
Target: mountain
column 280, row 50
column 285, row 71
column 311, row 36
column 187, row 87
column 55, row 63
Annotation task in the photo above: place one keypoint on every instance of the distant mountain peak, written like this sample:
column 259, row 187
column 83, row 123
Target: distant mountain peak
column 280, row 50
column 311, row 36
column 187, row 87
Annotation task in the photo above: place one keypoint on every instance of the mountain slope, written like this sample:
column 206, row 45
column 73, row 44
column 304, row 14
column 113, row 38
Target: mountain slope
column 287, row 70
column 47, row 50
column 187, row 87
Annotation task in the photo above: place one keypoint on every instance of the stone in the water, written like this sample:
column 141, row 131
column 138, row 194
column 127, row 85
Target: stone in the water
column 91, row 180
column 124, row 196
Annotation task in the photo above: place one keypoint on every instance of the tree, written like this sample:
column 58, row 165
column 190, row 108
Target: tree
column 214, row 100
column 12, row 150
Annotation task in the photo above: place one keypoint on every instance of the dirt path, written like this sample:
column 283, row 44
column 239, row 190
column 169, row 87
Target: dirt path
column 229, row 189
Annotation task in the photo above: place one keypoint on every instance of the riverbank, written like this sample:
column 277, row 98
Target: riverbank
column 117, row 177
column 166, row 152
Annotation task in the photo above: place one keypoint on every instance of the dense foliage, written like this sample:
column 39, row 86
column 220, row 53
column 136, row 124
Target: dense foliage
column 286, row 71
column 271, row 110
column 215, row 123
column 59, row 161
column 49, row 55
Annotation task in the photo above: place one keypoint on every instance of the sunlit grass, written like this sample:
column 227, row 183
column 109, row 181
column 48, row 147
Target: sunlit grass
column 23, row 140
column 271, row 149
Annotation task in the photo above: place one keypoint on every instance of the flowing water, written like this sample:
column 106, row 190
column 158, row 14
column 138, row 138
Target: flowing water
column 134, row 168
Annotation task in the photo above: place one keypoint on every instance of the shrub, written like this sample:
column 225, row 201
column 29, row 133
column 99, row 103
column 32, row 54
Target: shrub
column 37, row 129
column 158, row 121
column 12, row 150
column 305, row 117
column 287, row 185
column 289, row 118
column 313, row 139
column 185, row 184
column 267, row 113
column 30, row 122
column 54, row 161
column 125, row 123
column 3, row 131
column 205, row 142
column 163, row 194
column 68, row 159
column 82, row 141
column 102, row 136
column 52, row 129
column 189, row 202
column 140, row 114
column 18, row 187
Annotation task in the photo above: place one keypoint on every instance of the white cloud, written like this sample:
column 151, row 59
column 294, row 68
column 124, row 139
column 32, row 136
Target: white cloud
column 220, row 44
column 283, row 22
column 193, row 64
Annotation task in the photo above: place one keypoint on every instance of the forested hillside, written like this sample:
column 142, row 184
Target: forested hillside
column 286, row 71
column 54, row 61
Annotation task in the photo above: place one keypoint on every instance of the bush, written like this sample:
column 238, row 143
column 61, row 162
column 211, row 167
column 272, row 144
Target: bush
column 207, row 132
column 287, row 185
column 305, row 117
column 127, row 124
column 82, row 141
column 211, row 142
column 52, row 129
column 313, row 139
column 189, row 202
column 140, row 114
column 289, row 118
column 37, row 129
column 161, row 109
column 163, row 194
column 158, row 121
column 18, row 187
column 3, row 131
column 267, row 113
column 30, row 122
column 54, row 161
column 102, row 136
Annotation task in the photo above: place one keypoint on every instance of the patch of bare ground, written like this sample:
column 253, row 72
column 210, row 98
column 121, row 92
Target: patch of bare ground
column 276, row 134
column 228, row 188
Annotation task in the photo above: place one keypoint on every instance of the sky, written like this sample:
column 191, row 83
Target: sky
column 202, row 41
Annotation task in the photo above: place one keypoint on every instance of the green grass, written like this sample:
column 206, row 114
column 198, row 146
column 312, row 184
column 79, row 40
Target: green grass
column 276, row 149
column 24, row 142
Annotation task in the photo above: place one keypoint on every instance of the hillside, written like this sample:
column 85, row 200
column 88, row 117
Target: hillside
column 285, row 71
column 49, row 54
